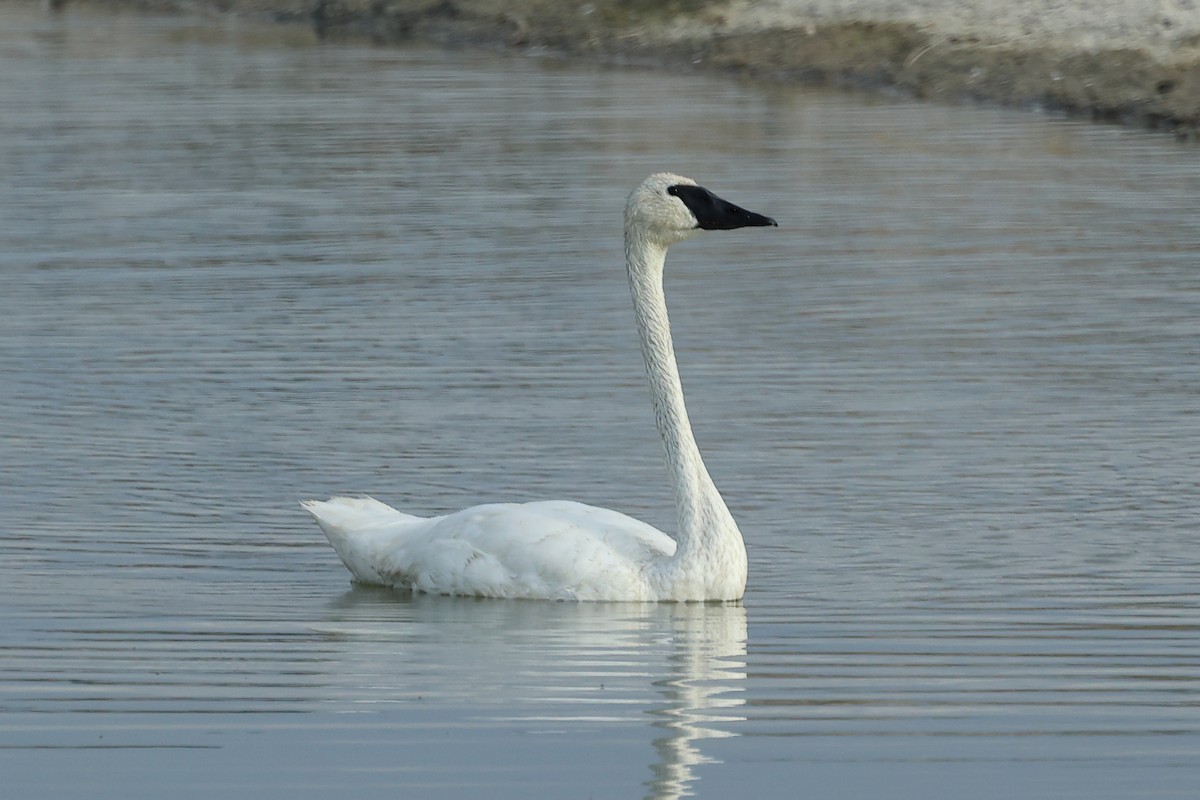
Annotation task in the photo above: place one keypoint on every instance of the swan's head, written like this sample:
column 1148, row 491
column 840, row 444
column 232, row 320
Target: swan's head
column 669, row 208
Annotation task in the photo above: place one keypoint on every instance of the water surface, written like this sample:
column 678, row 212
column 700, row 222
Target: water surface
column 952, row 402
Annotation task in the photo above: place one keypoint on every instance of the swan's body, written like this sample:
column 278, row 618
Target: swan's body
column 565, row 550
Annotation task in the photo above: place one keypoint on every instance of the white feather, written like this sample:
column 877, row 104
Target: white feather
column 560, row 549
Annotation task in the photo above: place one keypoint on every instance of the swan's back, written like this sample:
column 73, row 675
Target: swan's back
column 552, row 549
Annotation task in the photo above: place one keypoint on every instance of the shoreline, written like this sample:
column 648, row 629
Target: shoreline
column 1097, row 59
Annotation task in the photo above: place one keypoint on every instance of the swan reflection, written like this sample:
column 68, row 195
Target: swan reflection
column 547, row 668
column 708, row 666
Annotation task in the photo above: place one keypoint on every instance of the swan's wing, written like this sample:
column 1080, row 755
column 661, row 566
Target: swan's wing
column 554, row 549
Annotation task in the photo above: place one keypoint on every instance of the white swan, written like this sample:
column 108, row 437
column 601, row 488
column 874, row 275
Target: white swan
column 564, row 550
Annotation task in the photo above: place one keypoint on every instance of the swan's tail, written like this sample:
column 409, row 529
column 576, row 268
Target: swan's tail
column 361, row 530
column 358, row 511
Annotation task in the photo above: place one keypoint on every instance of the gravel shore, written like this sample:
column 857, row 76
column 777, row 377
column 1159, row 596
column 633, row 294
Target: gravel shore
column 1130, row 61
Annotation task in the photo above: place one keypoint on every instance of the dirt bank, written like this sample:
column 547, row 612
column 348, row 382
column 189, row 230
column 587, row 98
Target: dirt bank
column 1130, row 61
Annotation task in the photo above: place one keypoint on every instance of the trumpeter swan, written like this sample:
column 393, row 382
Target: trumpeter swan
column 564, row 550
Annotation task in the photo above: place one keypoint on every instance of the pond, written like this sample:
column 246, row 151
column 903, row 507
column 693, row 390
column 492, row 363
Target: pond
column 952, row 402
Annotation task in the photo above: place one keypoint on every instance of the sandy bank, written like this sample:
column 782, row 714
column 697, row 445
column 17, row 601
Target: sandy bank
column 1130, row 61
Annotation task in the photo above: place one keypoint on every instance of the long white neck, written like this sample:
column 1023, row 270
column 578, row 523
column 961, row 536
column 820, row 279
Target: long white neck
column 710, row 558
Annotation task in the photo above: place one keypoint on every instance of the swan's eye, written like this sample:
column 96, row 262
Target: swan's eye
column 673, row 191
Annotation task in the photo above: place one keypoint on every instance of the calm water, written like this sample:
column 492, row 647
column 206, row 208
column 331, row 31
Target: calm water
column 952, row 401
